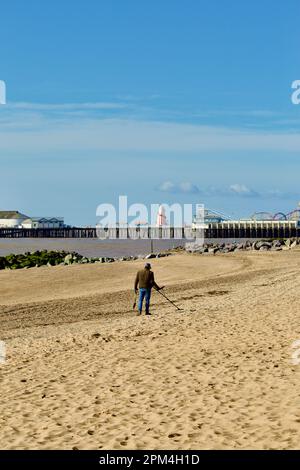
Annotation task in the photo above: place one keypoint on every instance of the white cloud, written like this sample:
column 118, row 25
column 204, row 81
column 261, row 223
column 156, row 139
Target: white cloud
column 65, row 106
column 242, row 190
column 183, row 187
column 35, row 128
column 234, row 190
column 187, row 187
column 167, row 187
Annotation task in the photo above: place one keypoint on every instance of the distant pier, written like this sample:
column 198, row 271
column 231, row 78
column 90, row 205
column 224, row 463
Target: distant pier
column 226, row 229
column 253, row 229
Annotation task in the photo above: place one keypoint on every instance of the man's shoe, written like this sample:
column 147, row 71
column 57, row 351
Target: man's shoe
column 139, row 313
column 148, row 313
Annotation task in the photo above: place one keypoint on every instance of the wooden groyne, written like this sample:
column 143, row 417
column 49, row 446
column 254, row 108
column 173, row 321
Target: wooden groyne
column 228, row 229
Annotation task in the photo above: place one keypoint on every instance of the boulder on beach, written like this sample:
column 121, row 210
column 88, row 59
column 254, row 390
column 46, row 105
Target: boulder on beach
column 193, row 247
column 68, row 259
column 264, row 248
column 150, row 256
column 230, row 247
column 240, row 246
column 276, row 248
column 262, row 244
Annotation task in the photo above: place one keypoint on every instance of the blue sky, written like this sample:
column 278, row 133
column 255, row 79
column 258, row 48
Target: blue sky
column 163, row 101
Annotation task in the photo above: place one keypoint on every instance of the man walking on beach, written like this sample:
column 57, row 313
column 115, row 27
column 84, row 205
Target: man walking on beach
column 145, row 281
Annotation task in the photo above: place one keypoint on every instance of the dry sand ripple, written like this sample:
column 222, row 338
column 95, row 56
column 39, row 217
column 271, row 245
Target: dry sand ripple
column 82, row 371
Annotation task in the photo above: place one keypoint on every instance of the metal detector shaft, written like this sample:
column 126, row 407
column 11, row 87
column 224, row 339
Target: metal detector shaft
column 171, row 302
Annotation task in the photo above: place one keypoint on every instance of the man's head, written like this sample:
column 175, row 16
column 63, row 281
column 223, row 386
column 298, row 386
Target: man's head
column 148, row 266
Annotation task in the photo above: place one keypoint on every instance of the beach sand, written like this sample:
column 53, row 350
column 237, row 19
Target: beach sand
column 82, row 371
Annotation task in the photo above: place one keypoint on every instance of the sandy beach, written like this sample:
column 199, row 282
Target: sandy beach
column 82, row 371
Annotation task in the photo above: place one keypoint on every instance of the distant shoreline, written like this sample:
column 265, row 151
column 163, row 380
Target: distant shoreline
column 87, row 247
column 92, row 247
